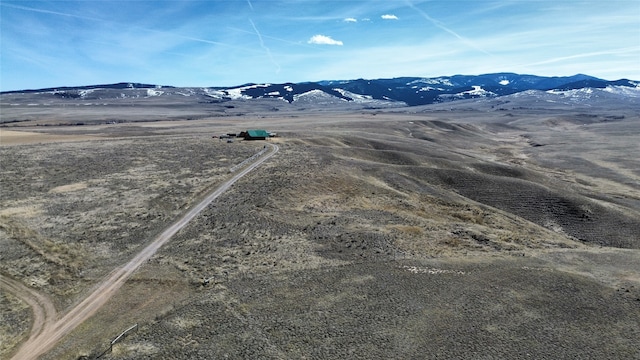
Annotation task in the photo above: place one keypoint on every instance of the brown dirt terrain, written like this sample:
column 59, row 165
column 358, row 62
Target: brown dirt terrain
column 369, row 235
column 45, row 337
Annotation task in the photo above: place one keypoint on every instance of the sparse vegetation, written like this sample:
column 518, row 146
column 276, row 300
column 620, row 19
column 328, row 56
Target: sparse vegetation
column 308, row 257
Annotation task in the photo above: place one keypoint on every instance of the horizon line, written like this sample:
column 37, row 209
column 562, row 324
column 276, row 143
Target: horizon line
column 69, row 87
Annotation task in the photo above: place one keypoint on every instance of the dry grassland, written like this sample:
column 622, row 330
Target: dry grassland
column 11, row 137
column 366, row 236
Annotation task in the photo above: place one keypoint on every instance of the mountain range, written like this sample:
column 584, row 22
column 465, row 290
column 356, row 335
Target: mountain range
column 402, row 91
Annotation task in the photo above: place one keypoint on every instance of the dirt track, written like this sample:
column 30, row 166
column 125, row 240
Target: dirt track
column 44, row 312
column 46, row 333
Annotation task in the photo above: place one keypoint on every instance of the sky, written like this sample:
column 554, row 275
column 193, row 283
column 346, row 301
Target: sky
column 232, row 42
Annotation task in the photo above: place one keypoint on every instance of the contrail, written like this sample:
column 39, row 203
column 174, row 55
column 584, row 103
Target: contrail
column 298, row 43
column 440, row 25
column 584, row 55
column 113, row 22
column 51, row 12
column 250, row 4
column 265, row 47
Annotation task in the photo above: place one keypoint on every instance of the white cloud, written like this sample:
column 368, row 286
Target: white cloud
column 323, row 40
column 389, row 17
column 350, row 20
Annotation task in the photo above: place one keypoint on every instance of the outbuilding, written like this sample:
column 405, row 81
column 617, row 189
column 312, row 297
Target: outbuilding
column 256, row 135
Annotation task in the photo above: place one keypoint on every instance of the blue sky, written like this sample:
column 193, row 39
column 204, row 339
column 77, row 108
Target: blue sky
column 224, row 43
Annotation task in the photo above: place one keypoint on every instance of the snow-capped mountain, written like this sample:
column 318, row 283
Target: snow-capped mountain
column 403, row 91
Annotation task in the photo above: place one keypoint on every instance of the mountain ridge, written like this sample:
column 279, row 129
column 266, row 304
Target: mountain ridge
column 411, row 91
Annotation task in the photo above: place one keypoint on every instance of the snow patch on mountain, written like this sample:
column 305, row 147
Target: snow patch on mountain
column 151, row 92
column 432, row 81
column 235, row 94
column 355, row 97
column 475, row 92
column 216, row 94
column 623, row 90
column 317, row 97
column 426, row 88
column 526, row 93
column 368, row 99
column 238, row 93
column 311, row 94
column 479, row 91
column 577, row 94
column 83, row 93
column 255, row 86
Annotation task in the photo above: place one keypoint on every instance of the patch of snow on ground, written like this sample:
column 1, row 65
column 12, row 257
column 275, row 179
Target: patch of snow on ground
column 368, row 99
column 151, row 92
column 274, row 93
column 527, row 93
column 504, row 82
column 479, row 91
column 433, row 81
column 217, row 94
column 584, row 93
column 354, row 96
column 288, row 88
column 312, row 95
column 623, row 90
column 254, row 86
column 236, row 94
column 84, row 93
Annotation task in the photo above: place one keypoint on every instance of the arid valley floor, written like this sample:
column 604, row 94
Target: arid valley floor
column 435, row 232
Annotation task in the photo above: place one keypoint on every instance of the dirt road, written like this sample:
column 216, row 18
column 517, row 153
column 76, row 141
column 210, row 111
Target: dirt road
column 44, row 312
column 52, row 332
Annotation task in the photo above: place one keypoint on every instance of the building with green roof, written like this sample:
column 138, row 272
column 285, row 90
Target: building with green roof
column 256, row 135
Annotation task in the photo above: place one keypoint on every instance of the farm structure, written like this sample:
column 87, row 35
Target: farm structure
column 246, row 135
column 255, row 134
